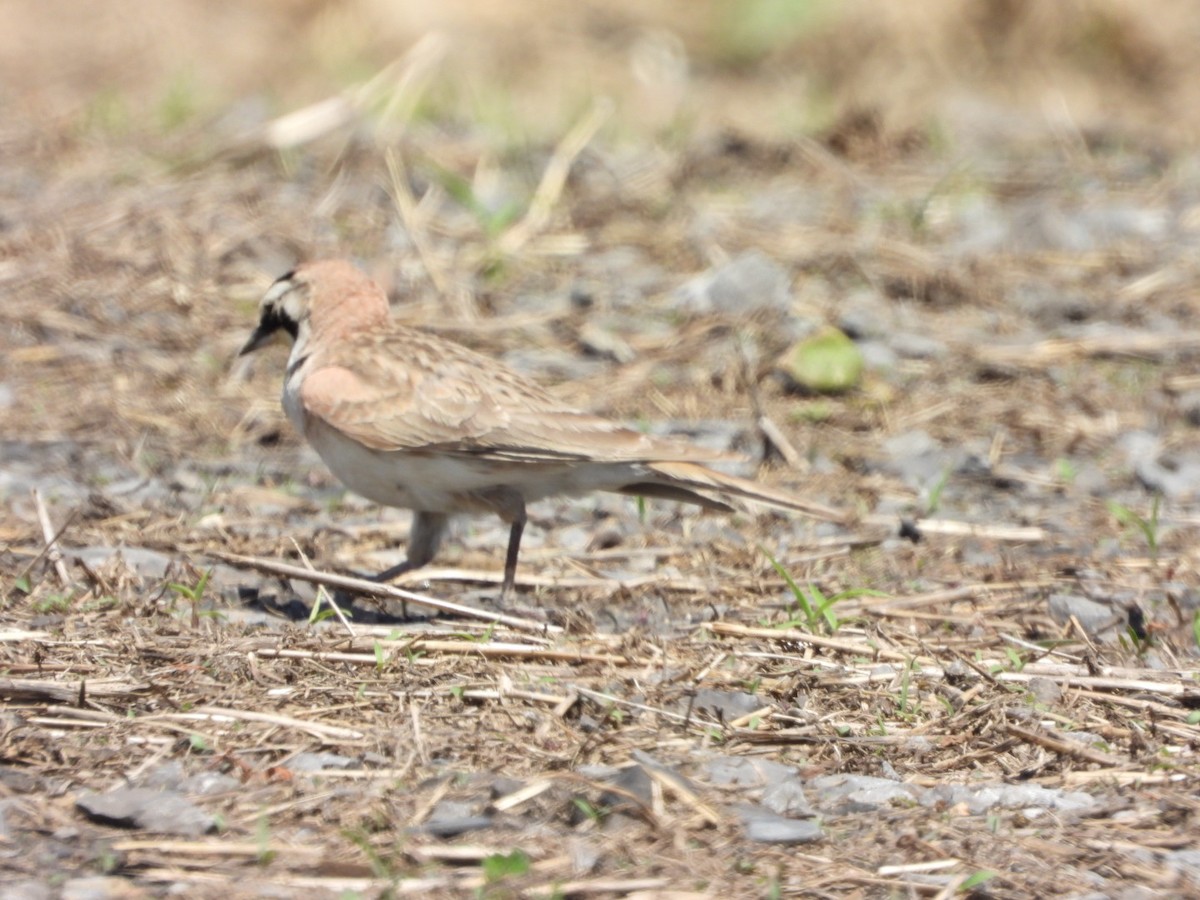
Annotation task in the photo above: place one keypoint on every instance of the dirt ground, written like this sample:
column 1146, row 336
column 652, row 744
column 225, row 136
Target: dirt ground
column 984, row 685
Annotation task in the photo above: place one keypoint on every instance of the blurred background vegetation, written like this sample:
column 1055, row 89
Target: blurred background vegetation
column 871, row 73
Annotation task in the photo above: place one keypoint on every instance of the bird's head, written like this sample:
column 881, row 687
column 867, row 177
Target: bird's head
column 325, row 295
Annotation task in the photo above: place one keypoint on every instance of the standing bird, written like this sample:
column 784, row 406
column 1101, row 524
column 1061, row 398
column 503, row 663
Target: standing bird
column 409, row 419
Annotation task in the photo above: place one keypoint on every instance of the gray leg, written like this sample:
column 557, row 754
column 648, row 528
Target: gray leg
column 510, row 506
column 428, row 529
column 514, row 549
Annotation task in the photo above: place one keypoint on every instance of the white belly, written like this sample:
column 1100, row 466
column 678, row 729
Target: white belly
column 440, row 482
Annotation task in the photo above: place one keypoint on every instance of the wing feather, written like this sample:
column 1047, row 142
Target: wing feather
column 405, row 390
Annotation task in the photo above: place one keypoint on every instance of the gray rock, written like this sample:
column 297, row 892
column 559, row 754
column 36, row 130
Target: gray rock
column 1187, row 598
column 599, row 772
column 145, row 563
column 878, row 356
column 1096, row 618
column 14, row 780
column 1045, row 690
column 314, row 762
column 584, row 854
column 748, row 283
column 916, row 457
column 979, row 798
column 765, row 827
column 909, row 345
column 864, row 315
column 166, row 812
column 502, row 786
column 1186, row 862
column 746, row 771
column 1040, row 226
column 1189, row 406
column 97, row 887
column 205, row 784
column 1176, row 476
column 919, row 745
column 959, row 672
column 1087, row 738
column 980, row 226
column 786, row 798
column 726, row 705
column 1049, row 306
column 453, row 817
column 777, row 786
column 165, row 776
column 862, row 793
column 30, row 889
column 632, row 781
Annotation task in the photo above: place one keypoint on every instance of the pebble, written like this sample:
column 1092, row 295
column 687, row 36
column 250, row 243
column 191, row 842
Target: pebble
column 1045, row 690
column 1097, row 619
column 315, row 762
column 750, row 282
column 166, row 812
column 979, row 798
column 847, row 794
column 453, row 817
column 745, row 771
column 765, row 827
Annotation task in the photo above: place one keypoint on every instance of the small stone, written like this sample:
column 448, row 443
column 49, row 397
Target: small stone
column 166, row 812
column 1189, row 405
column 631, row 780
column 862, row 793
column 749, row 283
column 726, row 705
column 765, row 827
column 99, row 887
column 204, row 784
column 909, row 345
column 786, row 798
column 315, row 762
column 746, row 771
column 585, row 855
column 1044, row 690
column 866, row 314
column 979, row 798
column 502, row 786
column 1096, row 618
column 453, row 817
column 29, row 889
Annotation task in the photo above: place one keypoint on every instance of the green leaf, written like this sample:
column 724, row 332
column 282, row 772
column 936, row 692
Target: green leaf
column 502, row 865
column 977, row 879
column 825, row 363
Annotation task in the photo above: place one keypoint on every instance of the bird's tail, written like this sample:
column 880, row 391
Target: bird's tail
column 690, row 483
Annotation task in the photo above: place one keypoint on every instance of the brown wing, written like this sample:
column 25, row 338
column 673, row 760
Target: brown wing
column 406, row 390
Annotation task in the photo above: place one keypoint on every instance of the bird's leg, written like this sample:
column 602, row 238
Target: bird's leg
column 428, row 529
column 426, row 533
column 509, row 504
column 514, row 549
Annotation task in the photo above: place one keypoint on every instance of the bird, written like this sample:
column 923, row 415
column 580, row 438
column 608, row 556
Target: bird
column 409, row 419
